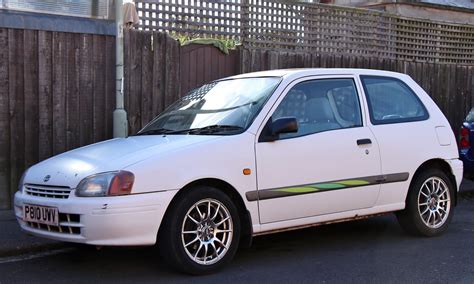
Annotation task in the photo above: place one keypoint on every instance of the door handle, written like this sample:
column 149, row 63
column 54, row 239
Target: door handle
column 365, row 141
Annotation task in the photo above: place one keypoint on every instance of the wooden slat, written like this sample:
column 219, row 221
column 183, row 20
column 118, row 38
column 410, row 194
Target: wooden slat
column 59, row 91
column 4, row 121
column 159, row 47
column 175, row 71
column 135, row 90
column 86, row 92
column 200, row 66
column 214, row 65
column 449, row 79
column 172, row 74
column 459, row 90
column 272, row 60
column 45, row 89
column 30, row 41
column 110, row 103
column 315, row 60
column 244, row 60
column 147, row 79
column 209, row 54
column 192, row 74
column 17, row 110
column 72, row 93
column 184, row 64
column 98, row 87
column 442, row 77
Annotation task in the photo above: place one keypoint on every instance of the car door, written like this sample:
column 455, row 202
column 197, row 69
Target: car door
column 394, row 108
column 330, row 165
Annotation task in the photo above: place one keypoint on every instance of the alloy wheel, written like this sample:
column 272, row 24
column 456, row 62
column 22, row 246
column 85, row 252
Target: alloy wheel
column 207, row 231
column 434, row 202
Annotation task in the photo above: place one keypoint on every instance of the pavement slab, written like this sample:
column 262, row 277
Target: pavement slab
column 13, row 241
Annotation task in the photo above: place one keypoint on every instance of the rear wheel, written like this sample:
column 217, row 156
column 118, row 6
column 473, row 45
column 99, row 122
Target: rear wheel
column 202, row 231
column 429, row 204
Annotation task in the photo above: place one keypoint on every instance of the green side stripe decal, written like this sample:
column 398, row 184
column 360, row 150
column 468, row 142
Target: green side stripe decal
column 325, row 186
column 354, row 182
column 331, row 185
column 297, row 189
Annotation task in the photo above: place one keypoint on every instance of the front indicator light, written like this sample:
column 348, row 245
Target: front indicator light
column 122, row 183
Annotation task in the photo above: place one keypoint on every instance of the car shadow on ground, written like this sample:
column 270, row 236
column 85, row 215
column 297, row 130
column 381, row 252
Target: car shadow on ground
column 373, row 249
column 335, row 239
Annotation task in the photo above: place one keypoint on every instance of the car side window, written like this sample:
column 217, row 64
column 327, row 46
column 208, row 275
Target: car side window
column 392, row 101
column 321, row 105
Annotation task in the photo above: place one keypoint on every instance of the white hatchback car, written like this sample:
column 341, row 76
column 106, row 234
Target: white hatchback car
column 254, row 154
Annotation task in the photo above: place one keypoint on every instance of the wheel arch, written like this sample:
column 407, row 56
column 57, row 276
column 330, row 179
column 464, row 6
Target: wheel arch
column 244, row 214
column 441, row 165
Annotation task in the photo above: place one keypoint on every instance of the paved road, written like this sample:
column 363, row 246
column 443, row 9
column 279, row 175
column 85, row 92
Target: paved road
column 367, row 251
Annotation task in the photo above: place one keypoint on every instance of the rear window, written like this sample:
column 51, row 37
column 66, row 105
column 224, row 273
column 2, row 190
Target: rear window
column 392, row 101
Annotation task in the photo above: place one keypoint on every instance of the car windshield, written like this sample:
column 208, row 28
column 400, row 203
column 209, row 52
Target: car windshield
column 219, row 108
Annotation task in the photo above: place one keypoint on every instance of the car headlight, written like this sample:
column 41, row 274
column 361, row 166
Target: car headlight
column 106, row 184
column 22, row 181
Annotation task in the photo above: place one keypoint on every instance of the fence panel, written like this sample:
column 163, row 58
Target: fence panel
column 200, row 64
column 303, row 26
column 215, row 19
column 158, row 71
column 53, row 97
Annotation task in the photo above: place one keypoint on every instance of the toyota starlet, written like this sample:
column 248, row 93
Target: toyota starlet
column 254, row 154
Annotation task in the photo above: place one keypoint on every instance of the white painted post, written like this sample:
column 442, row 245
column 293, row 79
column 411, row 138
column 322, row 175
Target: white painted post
column 120, row 115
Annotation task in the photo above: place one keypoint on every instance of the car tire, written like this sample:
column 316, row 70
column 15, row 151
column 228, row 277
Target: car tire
column 429, row 204
column 201, row 231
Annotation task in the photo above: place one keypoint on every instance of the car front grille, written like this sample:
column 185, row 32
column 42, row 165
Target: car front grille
column 68, row 224
column 61, row 192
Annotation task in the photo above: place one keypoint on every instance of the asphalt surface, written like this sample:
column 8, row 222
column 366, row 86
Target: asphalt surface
column 13, row 241
column 374, row 250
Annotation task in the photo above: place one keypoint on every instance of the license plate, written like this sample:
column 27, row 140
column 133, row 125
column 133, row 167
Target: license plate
column 41, row 214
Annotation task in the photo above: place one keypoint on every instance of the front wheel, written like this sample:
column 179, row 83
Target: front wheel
column 429, row 207
column 201, row 232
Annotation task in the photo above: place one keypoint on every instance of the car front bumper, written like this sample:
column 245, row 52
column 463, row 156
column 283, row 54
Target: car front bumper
column 115, row 221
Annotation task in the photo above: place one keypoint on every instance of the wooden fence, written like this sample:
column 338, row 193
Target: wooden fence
column 302, row 26
column 57, row 89
column 158, row 74
column 57, row 92
column 158, row 71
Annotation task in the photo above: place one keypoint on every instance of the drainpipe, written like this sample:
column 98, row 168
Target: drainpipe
column 120, row 115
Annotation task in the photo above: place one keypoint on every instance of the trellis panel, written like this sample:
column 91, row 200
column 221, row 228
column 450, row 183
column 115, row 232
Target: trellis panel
column 311, row 27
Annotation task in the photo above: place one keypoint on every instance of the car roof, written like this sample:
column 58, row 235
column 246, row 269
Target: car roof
column 303, row 72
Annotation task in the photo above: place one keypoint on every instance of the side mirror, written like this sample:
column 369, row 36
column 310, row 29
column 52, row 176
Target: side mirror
column 282, row 125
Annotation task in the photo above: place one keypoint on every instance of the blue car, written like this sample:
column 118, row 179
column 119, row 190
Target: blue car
column 466, row 152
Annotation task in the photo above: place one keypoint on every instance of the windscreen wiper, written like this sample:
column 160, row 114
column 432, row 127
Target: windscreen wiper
column 209, row 129
column 156, row 131
column 201, row 130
